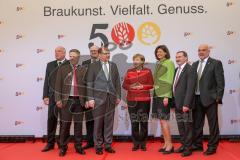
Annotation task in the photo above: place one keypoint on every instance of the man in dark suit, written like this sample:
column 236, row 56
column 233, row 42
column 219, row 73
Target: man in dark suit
column 88, row 111
column 70, row 93
column 209, row 93
column 183, row 93
column 103, row 94
column 48, row 96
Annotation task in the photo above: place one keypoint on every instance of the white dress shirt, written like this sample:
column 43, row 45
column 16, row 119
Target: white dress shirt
column 107, row 63
column 204, row 62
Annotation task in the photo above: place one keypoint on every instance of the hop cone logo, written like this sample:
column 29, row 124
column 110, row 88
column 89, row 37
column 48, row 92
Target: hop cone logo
column 149, row 33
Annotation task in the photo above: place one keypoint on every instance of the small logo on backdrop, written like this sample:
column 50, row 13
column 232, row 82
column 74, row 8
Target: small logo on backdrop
column 230, row 3
column 17, row 123
column 187, row 34
column 234, row 121
column 18, row 65
column 19, row 93
column 232, row 91
column 211, row 47
column 1, row 78
column 39, row 50
column 231, row 33
column 60, row 36
column 19, row 36
column 1, row 22
column 19, row 8
column 39, row 108
column 232, row 61
column 149, row 33
column 123, row 34
column 39, row 79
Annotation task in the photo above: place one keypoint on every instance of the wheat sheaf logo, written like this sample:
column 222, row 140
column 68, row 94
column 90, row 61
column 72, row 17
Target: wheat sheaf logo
column 149, row 33
column 123, row 34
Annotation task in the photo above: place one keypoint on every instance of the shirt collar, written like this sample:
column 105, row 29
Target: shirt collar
column 204, row 60
column 183, row 65
column 94, row 59
column 104, row 62
column 61, row 61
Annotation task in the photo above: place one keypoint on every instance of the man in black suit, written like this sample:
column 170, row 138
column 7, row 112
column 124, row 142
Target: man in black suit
column 183, row 93
column 48, row 96
column 103, row 94
column 88, row 111
column 209, row 93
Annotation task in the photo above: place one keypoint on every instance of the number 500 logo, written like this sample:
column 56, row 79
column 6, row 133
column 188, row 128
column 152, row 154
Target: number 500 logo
column 123, row 35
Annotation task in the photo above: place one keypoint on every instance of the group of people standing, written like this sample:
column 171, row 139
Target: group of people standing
column 93, row 89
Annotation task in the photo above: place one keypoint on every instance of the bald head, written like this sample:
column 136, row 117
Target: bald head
column 60, row 53
column 94, row 52
column 203, row 51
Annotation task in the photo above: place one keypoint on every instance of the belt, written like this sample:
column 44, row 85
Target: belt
column 73, row 97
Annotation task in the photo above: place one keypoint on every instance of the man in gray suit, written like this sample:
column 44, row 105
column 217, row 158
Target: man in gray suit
column 103, row 94
column 209, row 93
column 183, row 93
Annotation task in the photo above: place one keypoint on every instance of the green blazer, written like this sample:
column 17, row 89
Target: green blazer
column 163, row 78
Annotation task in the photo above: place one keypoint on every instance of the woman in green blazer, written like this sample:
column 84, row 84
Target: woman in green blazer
column 163, row 81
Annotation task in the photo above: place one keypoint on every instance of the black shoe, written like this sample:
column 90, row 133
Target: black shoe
column 99, row 151
column 48, row 147
column 62, row 152
column 186, row 153
column 143, row 148
column 209, row 152
column 169, row 152
column 194, row 148
column 135, row 147
column 110, row 150
column 161, row 150
column 179, row 150
column 88, row 145
column 80, row 150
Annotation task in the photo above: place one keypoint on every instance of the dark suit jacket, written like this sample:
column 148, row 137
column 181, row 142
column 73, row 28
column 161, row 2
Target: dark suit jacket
column 50, row 79
column 86, row 63
column 212, row 81
column 98, row 86
column 64, row 81
column 185, row 88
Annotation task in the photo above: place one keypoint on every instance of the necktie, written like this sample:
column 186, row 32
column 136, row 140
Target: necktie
column 176, row 80
column 199, row 73
column 59, row 63
column 75, row 85
column 105, row 70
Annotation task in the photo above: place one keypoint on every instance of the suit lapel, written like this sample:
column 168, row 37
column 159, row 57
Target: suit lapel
column 100, row 71
column 110, row 70
column 181, row 74
column 206, row 67
column 55, row 64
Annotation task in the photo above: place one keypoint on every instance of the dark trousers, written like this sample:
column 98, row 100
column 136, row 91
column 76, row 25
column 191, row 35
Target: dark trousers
column 139, row 114
column 199, row 113
column 103, row 123
column 185, row 128
column 89, row 125
column 52, row 121
column 73, row 110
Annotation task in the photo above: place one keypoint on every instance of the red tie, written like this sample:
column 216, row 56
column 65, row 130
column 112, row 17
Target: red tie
column 176, row 80
column 75, row 85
